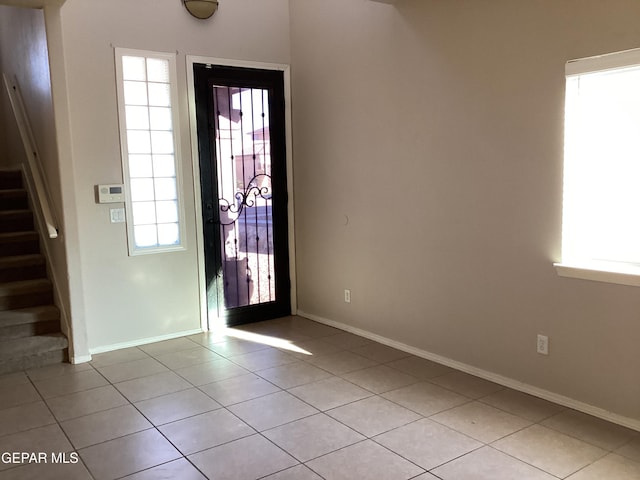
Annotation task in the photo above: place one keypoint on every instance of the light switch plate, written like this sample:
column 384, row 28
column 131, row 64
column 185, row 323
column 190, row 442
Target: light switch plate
column 117, row 215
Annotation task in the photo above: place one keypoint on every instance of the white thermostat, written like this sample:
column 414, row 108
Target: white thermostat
column 110, row 193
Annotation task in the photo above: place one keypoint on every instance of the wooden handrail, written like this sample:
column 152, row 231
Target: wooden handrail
column 33, row 157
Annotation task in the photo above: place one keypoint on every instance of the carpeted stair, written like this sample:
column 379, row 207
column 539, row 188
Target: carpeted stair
column 29, row 322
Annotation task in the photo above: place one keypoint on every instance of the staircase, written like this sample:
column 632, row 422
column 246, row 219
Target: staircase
column 29, row 322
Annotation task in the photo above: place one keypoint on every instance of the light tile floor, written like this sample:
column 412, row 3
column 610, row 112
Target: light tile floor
column 291, row 399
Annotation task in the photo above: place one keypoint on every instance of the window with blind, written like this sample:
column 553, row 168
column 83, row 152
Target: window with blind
column 147, row 105
column 601, row 205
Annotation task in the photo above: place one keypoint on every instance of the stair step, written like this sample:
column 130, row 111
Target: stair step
column 27, row 322
column 10, row 179
column 19, row 243
column 14, row 199
column 15, row 221
column 32, row 352
column 22, row 267
column 22, row 316
column 26, row 293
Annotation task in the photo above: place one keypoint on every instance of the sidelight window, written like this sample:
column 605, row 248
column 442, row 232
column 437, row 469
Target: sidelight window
column 147, row 106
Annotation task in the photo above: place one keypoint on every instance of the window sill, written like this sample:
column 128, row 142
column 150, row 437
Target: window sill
column 608, row 273
column 136, row 251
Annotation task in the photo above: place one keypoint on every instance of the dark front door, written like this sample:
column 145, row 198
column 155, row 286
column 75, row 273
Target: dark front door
column 242, row 148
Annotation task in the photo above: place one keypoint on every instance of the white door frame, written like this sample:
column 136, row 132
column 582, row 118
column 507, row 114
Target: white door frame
column 285, row 69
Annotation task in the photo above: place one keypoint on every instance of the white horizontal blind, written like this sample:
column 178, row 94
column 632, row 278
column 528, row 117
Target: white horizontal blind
column 147, row 100
column 601, row 63
column 601, row 210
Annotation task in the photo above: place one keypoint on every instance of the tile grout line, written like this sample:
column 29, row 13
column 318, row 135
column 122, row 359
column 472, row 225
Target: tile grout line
column 373, row 394
column 182, row 455
column 606, row 450
column 471, row 400
column 222, row 408
column 260, row 433
column 157, row 429
column 60, row 426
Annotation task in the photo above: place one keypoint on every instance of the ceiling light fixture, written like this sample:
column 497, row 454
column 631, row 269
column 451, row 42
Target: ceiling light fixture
column 201, row 8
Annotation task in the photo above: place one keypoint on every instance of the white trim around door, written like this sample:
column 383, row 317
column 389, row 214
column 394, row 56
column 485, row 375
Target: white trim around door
column 191, row 60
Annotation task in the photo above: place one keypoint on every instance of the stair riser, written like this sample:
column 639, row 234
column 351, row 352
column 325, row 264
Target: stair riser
column 13, row 203
column 16, row 274
column 44, row 313
column 26, row 300
column 15, row 223
column 34, row 361
column 28, row 330
column 26, row 247
column 10, row 180
column 28, row 338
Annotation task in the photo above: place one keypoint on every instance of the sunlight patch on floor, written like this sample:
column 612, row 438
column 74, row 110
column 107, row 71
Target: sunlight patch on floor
column 265, row 340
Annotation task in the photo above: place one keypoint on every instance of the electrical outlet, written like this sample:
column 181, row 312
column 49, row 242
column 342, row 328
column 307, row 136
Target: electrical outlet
column 543, row 345
column 347, row 296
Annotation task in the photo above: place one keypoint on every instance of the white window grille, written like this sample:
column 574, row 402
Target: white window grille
column 147, row 106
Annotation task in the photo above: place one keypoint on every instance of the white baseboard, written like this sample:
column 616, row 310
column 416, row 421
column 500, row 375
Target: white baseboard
column 136, row 343
column 487, row 375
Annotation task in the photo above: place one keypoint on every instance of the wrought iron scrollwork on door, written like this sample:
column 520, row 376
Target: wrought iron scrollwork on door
column 258, row 186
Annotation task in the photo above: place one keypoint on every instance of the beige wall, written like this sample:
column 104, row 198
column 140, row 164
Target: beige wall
column 22, row 36
column 24, row 56
column 428, row 175
column 436, row 128
column 130, row 299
